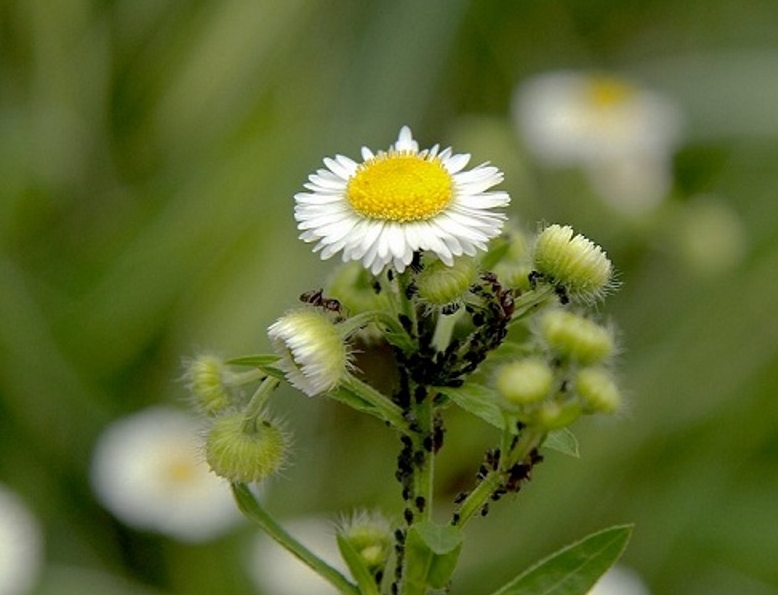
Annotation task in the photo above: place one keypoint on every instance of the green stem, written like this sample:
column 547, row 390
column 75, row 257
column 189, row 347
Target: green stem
column 407, row 306
column 444, row 329
column 528, row 440
column 252, row 509
column 528, row 301
column 424, row 475
column 257, row 403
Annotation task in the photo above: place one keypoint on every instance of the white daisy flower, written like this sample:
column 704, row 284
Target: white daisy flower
column 622, row 135
column 393, row 203
column 148, row 470
column 21, row 545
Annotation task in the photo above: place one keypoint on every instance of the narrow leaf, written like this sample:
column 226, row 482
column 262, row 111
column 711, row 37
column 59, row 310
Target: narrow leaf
column 573, row 570
column 356, row 565
column 431, row 553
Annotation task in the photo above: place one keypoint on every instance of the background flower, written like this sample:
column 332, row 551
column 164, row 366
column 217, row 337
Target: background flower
column 623, row 136
column 21, row 545
column 148, row 471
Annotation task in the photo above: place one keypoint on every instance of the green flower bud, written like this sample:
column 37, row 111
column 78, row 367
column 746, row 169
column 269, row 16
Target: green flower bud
column 578, row 264
column 439, row 284
column 574, row 337
column 523, row 382
column 555, row 415
column 514, row 276
column 245, row 451
column 371, row 537
column 595, row 386
column 314, row 355
column 206, row 377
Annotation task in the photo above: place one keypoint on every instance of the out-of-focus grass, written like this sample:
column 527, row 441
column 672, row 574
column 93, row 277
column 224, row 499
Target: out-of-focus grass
column 148, row 155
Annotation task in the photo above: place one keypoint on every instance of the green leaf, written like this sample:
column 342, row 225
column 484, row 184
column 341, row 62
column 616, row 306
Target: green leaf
column 476, row 399
column 431, row 554
column 356, row 565
column 573, row 570
column 563, row 441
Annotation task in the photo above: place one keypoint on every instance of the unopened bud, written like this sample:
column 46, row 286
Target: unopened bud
column 245, row 451
column 524, row 382
column 555, row 415
column 206, row 377
column 574, row 337
column 440, row 284
column 598, row 391
column 371, row 537
column 573, row 261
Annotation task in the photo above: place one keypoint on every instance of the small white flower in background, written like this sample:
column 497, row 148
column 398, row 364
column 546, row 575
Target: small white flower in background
column 148, row 471
column 274, row 571
column 622, row 135
column 393, row 203
column 620, row 581
column 21, row 545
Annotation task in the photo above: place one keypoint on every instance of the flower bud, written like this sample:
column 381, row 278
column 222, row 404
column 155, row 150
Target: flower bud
column 206, row 378
column 578, row 264
column 598, row 391
column 440, row 284
column 574, row 337
column 555, row 415
column 314, row 355
column 524, row 382
column 245, row 452
column 371, row 537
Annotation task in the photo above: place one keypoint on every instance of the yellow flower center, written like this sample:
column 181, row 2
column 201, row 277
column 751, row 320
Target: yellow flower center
column 606, row 91
column 180, row 470
column 400, row 186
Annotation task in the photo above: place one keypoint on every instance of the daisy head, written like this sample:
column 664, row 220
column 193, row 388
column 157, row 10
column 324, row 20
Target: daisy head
column 393, row 203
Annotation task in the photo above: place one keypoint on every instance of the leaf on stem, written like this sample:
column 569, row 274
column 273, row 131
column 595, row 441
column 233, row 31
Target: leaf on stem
column 563, row 441
column 431, row 553
column 476, row 399
column 573, row 570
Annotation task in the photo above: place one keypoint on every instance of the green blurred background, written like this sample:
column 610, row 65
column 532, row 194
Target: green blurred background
column 149, row 152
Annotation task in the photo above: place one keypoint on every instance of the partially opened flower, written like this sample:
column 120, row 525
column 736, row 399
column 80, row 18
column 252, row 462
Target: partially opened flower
column 314, row 354
column 381, row 210
column 148, row 471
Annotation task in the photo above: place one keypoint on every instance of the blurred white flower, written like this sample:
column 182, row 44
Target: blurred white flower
column 21, row 545
column 275, row 571
column 620, row 581
column 622, row 135
column 148, row 471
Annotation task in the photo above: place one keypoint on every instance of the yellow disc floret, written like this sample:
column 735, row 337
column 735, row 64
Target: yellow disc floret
column 400, row 186
column 607, row 91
